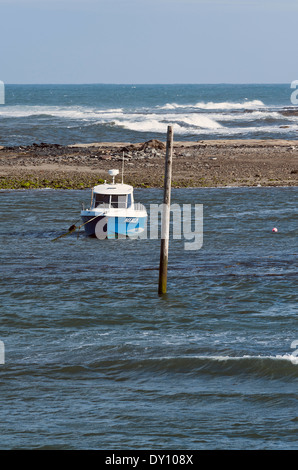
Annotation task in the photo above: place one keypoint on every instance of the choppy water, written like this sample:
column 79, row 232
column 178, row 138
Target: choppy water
column 95, row 359
column 67, row 114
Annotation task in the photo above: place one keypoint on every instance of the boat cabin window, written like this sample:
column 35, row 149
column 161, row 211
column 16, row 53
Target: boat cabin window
column 100, row 199
column 118, row 201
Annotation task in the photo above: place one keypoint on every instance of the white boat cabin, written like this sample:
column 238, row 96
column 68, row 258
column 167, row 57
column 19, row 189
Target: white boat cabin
column 116, row 196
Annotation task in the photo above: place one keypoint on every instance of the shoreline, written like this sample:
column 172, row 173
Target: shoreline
column 204, row 163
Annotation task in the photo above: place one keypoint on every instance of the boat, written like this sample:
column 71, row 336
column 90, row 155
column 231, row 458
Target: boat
column 113, row 212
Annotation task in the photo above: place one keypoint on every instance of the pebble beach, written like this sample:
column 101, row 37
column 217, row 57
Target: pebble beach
column 205, row 163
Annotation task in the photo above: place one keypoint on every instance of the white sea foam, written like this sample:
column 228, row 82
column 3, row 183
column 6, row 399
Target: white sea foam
column 253, row 116
column 198, row 120
column 184, row 121
column 186, row 127
column 211, row 105
column 285, row 357
column 147, row 125
column 72, row 112
column 234, row 131
column 246, row 357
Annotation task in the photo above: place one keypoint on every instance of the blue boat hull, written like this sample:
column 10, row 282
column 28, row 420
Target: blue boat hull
column 90, row 226
column 113, row 227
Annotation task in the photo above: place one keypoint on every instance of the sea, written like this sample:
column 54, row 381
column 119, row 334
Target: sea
column 69, row 114
column 91, row 357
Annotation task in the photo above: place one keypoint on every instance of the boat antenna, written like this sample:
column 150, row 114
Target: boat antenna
column 122, row 166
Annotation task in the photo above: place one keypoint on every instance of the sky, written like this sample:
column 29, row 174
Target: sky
column 148, row 41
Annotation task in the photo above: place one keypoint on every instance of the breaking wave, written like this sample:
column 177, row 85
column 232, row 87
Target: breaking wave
column 72, row 112
column 247, row 118
column 158, row 123
column 211, row 105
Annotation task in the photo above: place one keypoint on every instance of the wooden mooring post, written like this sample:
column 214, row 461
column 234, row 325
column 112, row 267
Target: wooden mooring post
column 165, row 222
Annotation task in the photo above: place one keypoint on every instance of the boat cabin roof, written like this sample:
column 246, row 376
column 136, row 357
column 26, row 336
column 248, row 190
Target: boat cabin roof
column 113, row 189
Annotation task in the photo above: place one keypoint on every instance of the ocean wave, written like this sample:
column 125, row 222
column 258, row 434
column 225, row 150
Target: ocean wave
column 186, row 127
column 82, row 112
column 198, row 120
column 72, row 112
column 253, row 116
column 185, row 122
column 158, row 123
column 253, row 131
column 140, row 122
column 212, row 105
column 268, row 367
column 264, row 367
column 146, row 125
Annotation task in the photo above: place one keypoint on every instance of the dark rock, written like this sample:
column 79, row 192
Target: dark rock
column 155, row 144
column 289, row 111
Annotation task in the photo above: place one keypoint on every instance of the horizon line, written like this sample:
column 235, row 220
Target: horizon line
column 151, row 84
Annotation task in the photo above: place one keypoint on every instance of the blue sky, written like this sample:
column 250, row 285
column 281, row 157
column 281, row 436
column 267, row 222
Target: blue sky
column 148, row 41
